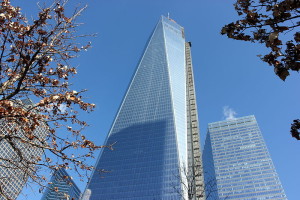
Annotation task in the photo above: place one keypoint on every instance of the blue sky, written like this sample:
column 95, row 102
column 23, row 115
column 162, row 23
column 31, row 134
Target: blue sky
column 227, row 72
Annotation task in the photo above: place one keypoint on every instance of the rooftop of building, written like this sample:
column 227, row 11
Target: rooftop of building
column 231, row 122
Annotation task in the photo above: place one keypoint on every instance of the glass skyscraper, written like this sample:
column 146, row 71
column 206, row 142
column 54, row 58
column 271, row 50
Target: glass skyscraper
column 62, row 187
column 155, row 133
column 237, row 163
column 13, row 169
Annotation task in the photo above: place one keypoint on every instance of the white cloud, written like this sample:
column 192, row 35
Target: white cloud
column 229, row 113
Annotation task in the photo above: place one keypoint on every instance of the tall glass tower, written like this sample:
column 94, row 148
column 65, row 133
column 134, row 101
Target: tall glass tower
column 62, row 187
column 237, row 163
column 155, row 133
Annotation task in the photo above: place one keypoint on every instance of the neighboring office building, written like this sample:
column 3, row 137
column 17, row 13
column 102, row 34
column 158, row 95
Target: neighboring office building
column 12, row 180
column 156, row 129
column 62, row 187
column 237, row 163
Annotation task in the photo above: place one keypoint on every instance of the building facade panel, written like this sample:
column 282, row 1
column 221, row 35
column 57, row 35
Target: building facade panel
column 14, row 170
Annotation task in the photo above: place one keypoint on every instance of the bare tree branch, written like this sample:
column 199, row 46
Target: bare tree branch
column 35, row 63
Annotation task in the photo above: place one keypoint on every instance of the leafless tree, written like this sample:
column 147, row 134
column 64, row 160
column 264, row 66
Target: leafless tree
column 188, row 184
column 35, row 64
column 274, row 23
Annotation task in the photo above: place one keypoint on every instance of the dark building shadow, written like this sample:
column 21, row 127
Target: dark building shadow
column 136, row 168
